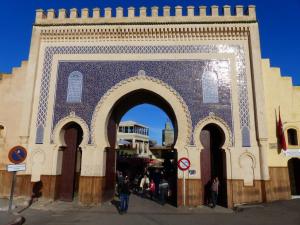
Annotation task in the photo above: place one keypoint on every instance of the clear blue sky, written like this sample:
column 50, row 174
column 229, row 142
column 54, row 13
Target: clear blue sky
column 278, row 20
column 151, row 116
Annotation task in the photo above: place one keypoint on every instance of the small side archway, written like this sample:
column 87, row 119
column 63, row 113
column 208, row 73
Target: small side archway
column 57, row 137
column 212, row 119
column 213, row 137
column 70, row 136
column 294, row 168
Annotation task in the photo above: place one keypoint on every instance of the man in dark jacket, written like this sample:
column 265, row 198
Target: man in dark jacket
column 163, row 191
column 124, row 195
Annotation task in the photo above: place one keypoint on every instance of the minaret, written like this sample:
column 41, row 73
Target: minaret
column 168, row 134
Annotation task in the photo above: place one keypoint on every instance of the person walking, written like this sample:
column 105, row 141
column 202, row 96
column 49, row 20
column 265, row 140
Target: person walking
column 156, row 179
column 163, row 191
column 144, row 185
column 120, row 180
column 124, row 195
column 214, row 191
column 152, row 189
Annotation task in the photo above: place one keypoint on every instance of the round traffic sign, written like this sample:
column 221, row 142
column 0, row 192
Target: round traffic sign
column 184, row 163
column 17, row 154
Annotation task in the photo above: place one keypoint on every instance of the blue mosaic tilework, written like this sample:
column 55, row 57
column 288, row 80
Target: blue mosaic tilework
column 184, row 76
column 235, row 49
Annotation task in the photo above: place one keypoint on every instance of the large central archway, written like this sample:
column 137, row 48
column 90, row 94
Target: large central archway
column 133, row 99
column 104, row 108
column 127, row 94
column 123, row 105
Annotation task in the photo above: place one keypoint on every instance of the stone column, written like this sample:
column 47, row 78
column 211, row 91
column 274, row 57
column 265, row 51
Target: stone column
column 259, row 100
column 143, row 147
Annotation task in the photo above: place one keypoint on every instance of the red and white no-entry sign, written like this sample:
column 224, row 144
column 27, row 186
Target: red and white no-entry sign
column 184, row 163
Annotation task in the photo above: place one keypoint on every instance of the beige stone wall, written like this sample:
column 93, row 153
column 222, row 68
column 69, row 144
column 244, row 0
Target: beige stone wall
column 279, row 91
column 12, row 90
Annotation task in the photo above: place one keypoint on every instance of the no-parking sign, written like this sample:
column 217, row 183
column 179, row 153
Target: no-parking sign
column 17, row 154
column 184, row 163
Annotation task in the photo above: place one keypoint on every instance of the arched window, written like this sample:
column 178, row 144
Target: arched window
column 292, row 137
column 246, row 137
column 75, row 83
column 39, row 138
column 210, row 87
column 1, row 131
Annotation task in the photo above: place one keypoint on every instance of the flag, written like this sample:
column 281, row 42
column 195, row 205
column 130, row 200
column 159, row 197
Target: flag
column 280, row 134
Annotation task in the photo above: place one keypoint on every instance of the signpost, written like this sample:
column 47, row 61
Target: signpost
column 16, row 155
column 183, row 164
column 16, row 167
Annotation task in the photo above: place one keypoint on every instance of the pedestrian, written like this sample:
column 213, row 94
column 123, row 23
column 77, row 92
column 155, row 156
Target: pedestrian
column 124, row 195
column 156, row 178
column 144, row 185
column 152, row 189
column 120, row 180
column 214, row 191
column 163, row 191
column 136, row 183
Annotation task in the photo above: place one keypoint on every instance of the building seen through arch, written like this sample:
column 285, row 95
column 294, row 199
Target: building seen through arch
column 168, row 135
column 203, row 68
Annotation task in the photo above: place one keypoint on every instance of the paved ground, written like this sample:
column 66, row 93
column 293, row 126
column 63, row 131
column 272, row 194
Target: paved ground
column 146, row 212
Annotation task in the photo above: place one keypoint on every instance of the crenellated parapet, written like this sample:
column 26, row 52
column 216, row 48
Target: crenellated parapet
column 145, row 15
column 14, row 71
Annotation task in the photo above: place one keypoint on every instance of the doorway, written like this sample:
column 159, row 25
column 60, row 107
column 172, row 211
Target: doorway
column 136, row 157
column 71, row 162
column 213, row 162
column 294, row 174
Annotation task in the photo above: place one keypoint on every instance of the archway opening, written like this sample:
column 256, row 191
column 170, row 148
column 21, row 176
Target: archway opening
column 72, row 135
column 131, row 149
column 294, row 168
column 213, row 162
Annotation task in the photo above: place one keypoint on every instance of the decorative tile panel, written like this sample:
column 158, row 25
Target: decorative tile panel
column 153, row 68
column 75, row 81
column 210, row 87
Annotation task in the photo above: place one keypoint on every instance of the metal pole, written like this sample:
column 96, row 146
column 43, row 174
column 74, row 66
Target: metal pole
column 183, row 188
column 12, row 191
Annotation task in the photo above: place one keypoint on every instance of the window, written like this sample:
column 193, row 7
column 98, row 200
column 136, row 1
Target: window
column 246, row 137
column 1, row 131
column 130, row 129
column 39, row 135
column 292, row 137
column 75, row 81
column 210, row 87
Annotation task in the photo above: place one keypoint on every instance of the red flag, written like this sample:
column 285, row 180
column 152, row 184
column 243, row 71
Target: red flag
column 280, row 134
